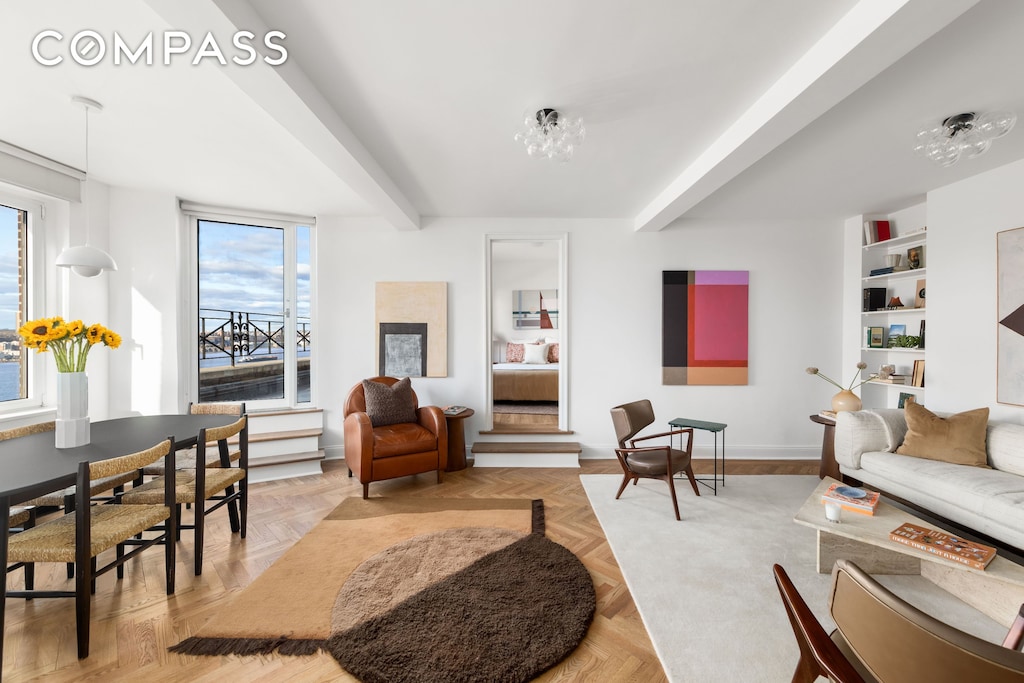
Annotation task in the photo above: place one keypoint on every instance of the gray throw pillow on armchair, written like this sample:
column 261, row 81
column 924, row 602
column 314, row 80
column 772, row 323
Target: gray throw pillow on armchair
column 389, row 405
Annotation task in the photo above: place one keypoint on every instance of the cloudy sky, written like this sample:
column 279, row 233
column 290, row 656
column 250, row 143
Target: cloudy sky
column 240, row 268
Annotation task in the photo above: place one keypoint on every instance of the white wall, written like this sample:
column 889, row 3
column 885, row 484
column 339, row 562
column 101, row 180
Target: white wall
column 614, row 302
column 963, row 219
column 144, row 302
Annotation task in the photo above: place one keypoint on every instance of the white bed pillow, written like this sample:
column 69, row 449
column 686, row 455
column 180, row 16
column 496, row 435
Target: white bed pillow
column 536, row 354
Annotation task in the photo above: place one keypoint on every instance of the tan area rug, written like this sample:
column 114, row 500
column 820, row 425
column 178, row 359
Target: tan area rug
column 417, row 590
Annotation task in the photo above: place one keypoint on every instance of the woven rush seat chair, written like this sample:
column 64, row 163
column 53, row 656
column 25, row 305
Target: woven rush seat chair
column 186, row 460
column 650, row 462
column 93, row 529
column 198, row 485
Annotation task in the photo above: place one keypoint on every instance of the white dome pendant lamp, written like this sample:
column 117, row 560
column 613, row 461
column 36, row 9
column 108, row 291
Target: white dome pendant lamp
column 84, row 259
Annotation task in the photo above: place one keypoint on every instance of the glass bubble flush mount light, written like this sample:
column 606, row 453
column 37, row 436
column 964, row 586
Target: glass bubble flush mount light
column 960, row 135
column 549, row 134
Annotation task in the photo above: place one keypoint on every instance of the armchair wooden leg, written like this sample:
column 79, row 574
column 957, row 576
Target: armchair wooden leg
column 350, row 473
column 625, row 482
column 693, row 481
column 672, row 489
column 440, row 476
column 366, row 491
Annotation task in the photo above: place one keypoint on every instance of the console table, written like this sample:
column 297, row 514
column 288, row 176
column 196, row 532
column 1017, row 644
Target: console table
column 715, row 428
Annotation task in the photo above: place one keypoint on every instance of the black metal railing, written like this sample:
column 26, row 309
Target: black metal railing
column 244, row 336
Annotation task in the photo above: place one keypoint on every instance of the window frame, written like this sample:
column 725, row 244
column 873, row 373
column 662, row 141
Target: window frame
column 35, row 296
column 194, row 213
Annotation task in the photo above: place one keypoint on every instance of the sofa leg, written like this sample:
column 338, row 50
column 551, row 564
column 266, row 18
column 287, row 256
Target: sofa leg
column 440, row 476
column 366, row 491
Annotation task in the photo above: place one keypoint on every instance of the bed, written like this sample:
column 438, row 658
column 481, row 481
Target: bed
column 525, row 382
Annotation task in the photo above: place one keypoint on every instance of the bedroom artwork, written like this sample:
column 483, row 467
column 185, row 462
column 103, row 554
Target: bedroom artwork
column 1010, row 317
column 534, row 309
column 704, row 327
column 412, row 329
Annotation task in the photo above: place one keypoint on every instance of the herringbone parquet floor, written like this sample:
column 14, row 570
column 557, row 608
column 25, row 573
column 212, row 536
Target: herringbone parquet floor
column 133, row 621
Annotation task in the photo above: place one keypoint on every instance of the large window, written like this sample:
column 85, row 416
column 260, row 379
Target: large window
column 17, row 275
column 254, row 326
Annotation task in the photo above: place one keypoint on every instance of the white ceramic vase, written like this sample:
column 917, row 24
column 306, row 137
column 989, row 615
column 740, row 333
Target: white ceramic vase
column 72, row 425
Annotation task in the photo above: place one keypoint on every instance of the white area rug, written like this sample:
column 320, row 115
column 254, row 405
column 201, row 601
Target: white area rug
column 704, row 585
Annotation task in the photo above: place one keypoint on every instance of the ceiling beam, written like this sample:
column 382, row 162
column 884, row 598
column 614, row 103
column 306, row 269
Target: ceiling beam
column 872, row 36
column 290, row 98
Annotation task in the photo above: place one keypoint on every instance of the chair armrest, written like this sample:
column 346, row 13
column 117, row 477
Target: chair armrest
column 663, row 434
column 432, row 419
column 1015, row 637
column 359, row 444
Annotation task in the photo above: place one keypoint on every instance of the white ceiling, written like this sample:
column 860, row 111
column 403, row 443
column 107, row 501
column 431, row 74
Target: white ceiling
column 695, row 109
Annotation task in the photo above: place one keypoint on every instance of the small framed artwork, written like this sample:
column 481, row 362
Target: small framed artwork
column 876, row 337
column 904, row 397
column 896, row 331
column 919, row 294
column 915, row 257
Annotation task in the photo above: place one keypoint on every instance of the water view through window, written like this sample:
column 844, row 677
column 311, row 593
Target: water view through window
column 13, row 376
column 243, row 309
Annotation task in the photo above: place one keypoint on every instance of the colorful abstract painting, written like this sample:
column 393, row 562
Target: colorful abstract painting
column 1010, row 316
column 704, row 327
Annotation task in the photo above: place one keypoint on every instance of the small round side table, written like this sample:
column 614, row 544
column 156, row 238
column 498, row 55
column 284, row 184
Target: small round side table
column 457, row 440
column 829, row 467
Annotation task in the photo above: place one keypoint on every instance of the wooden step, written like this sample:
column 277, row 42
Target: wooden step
column 270, row 412
column 284, row 466
column 289, row 434
column 526, row 454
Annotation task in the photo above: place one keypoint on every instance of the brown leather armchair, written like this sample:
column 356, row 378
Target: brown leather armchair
column 395, row 450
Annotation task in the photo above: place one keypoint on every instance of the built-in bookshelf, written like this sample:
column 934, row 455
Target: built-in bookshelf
column 896, row 306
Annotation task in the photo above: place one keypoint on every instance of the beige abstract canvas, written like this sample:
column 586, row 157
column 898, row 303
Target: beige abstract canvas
column 412, row 329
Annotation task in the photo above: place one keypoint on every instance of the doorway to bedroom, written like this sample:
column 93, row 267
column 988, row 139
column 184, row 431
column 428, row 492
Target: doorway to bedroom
column 527, row 329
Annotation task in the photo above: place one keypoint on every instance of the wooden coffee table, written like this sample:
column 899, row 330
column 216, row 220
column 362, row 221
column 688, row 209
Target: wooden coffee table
column 997, row 591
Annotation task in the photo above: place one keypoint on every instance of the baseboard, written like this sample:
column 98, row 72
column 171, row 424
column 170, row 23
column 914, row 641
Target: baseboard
column 706, row 452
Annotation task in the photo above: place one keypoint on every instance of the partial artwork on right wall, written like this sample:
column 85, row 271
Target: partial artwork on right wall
column 1010, row 316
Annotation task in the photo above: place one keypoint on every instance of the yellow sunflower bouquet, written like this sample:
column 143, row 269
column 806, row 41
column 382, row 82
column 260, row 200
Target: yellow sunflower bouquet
column 70, row 342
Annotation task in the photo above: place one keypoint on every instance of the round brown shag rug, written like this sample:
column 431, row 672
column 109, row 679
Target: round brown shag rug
column 474, row 604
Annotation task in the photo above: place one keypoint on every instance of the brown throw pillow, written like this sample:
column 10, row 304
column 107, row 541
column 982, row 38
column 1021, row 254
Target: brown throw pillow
column 958, row 439
column 389, row 405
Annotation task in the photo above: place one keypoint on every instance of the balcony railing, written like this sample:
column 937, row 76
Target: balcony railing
column 233, row 337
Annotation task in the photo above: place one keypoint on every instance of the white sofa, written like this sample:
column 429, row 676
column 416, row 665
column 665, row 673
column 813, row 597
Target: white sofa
column 989, row 501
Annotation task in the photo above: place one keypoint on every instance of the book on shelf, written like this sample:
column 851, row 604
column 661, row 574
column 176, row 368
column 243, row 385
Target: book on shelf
column 881, row 271
column 857, row 500
column 917, row 378
column 944, row 545
column 891, row 379
column 454, row 410
column 827, row 414
column 877, row 231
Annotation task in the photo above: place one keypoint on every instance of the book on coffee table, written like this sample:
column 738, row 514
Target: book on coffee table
column 851, row 498
column 454, row 410
column 944, row 545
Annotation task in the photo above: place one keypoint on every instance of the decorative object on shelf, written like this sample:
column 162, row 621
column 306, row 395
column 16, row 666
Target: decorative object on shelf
column 70, row 343
column 904, row 341
column 875, row 338
column 894, row 304
column 893, row 261
column 904, row 398
column 886, row 371
column 920, row 344
column 962, row 134
column 84, row 259
column 548, row 133
column 845, row 399
column 915, row 257
column 919, row 294
column 874, row 299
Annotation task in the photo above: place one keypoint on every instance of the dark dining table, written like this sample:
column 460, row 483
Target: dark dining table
column 32, row 465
